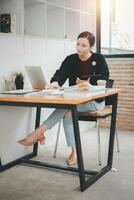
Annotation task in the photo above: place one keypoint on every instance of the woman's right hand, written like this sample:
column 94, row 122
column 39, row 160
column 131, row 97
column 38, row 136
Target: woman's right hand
column 53, row 85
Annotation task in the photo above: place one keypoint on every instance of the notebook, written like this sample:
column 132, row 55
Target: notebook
column 20, row 91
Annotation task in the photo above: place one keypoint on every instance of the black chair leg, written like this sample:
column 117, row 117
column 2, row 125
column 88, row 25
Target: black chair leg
column 57, row 140
column 98, row 142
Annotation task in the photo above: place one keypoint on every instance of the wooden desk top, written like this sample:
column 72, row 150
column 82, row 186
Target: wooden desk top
column 57, row 99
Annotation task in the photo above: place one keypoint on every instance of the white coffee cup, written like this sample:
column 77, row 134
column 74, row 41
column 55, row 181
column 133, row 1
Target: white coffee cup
column 101, row 83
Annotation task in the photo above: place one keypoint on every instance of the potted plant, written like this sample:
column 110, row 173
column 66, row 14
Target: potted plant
column 19, row 80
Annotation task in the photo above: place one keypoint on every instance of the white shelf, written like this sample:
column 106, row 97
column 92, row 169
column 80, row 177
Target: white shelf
column 56, row 2
column 51, row 18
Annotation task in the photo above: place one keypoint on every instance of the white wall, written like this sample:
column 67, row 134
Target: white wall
column 16, row 52
column 11, row 56
column 15, row 122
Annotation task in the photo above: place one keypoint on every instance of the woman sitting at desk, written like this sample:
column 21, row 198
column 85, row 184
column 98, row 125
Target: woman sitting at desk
column 75, row 67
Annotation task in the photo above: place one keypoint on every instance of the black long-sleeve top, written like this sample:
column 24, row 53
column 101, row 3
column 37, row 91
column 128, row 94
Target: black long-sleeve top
column 70, row 69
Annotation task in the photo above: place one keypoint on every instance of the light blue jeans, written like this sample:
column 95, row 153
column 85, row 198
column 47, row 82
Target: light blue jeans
column 59, row 114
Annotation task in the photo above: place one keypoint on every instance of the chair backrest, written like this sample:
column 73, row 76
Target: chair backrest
column 109, row 84
column 93, row 116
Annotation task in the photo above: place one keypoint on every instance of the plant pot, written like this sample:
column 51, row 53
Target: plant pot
column 19, row 83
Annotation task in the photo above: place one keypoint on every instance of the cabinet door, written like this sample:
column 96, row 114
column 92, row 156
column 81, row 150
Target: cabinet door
column 88, row 6
column 72, row 21
column 35, row 19
column 74, row 4
column 88, row 22
column 55, row 22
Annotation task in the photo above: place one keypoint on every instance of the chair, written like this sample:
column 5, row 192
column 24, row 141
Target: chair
column 95, row 116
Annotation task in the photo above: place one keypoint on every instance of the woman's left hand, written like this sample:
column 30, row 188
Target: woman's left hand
column 79, row 81
column 82, row 83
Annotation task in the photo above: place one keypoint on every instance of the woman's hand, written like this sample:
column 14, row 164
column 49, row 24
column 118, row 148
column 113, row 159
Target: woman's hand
column 53, row 85
column 79, row 81
column 82, row 83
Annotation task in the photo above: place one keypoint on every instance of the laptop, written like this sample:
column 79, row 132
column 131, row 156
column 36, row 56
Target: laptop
column 36, row 78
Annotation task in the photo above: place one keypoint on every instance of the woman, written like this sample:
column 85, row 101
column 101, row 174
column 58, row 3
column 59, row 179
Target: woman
column 76, row 67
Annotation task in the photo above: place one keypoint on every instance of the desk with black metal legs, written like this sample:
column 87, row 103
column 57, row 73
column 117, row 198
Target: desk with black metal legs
column 63, row 102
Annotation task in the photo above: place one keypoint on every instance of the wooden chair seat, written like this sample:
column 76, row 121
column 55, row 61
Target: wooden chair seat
column 99, row 113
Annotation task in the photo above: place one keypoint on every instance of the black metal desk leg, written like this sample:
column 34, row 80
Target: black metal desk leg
column 37, row 123
column 112, row 130
column 78, row 148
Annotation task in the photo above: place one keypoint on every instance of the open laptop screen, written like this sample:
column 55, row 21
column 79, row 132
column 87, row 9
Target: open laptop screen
column 36, row 77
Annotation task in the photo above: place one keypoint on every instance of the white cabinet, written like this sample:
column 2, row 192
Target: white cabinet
column 50, row 18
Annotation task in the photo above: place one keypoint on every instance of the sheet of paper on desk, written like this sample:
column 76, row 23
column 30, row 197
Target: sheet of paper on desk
column 90, row 91
column 82, row 94
column 51, row 92
column 89, row 88
column 95, row 88
column 72, row 90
